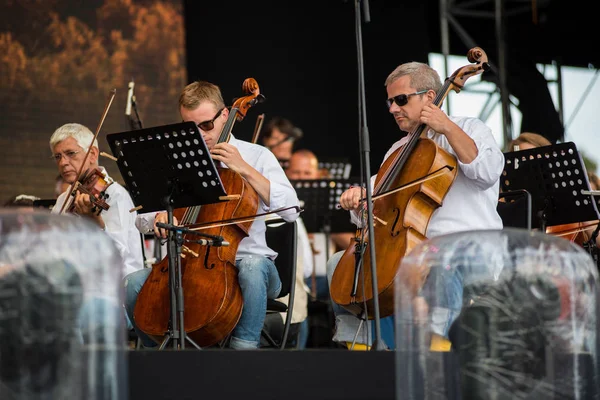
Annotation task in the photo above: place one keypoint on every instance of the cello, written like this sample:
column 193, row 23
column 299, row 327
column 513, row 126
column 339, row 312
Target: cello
column 577, row 232
column 400, row 217
column 212, row 296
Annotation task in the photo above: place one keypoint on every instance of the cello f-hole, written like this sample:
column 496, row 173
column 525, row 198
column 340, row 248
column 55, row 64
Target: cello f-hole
column 206, row 266
column 395, row 232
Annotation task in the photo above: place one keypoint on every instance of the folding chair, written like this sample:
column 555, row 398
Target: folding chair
column 281, row 237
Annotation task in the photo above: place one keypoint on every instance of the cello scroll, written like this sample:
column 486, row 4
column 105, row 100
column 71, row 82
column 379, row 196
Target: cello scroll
column 480, row 64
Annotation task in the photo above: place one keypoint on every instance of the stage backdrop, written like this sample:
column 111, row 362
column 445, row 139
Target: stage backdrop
column 304, row 58
column 59, row 59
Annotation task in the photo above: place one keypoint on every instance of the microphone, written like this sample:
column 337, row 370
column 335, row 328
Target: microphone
column 295, row 134
column 210, row 242
column 129, row 98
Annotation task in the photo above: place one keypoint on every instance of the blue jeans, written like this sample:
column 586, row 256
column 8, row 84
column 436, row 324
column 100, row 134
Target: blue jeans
column 443, row 290
column 258, row 280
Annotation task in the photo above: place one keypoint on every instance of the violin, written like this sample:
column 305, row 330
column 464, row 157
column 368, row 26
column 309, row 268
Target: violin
column 94, row 184
column 212, row 296
column 404, row 200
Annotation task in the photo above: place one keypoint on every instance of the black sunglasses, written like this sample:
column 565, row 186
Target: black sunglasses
column 402, row 99
column 210, row 124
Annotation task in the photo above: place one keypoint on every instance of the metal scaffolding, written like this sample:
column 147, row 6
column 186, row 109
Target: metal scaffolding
column 452, row 10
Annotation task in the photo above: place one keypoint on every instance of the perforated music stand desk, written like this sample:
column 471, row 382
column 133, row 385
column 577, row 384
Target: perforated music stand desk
column 555, row 176
column 319, row 198
column 162, row 160
column 168, row 167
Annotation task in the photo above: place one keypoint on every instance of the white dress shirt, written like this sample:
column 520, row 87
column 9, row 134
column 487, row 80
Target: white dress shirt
column 281, row 195
column 471, row 202
column 120, row 224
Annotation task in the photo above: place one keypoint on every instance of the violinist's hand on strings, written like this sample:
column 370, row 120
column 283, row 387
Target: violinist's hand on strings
column 350, row 199
column 85, row 207
column 230, row 156
column 162, row 217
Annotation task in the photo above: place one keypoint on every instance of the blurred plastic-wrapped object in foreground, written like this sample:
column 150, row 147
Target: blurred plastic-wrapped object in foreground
column 506, row 314
column 61, row 316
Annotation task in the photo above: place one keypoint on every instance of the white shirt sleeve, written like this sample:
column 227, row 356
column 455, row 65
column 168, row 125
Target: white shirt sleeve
column 118, row 220
column 281, row 193
column 484, row 171
column 145, row 222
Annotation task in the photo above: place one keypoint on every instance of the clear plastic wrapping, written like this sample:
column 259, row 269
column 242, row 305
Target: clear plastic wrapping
column 506, row 314
column 62, row 331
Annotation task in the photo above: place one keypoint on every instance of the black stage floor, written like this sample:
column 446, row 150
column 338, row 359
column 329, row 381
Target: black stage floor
column 331, row 374
column 264, row 374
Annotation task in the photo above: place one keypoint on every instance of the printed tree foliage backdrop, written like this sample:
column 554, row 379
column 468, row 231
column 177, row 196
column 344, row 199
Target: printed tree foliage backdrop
column 59, row 61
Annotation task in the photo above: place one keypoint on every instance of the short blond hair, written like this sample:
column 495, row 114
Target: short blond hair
column 531, row 138
column 199, row 92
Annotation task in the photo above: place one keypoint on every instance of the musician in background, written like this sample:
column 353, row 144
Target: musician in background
column 312, row 247
column 470, row 203
column 305, row 165
column 280, row 136
column 202, row 103
column 527, row 140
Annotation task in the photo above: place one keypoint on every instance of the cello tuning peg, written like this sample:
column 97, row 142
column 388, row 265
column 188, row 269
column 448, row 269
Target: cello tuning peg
column 258, row 99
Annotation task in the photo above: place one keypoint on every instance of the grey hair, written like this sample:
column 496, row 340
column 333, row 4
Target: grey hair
column 80, row 133
column 422, row 76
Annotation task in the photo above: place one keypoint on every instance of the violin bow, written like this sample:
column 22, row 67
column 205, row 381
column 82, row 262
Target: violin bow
column 258, row 127
column 441, row 171
column 111, row 97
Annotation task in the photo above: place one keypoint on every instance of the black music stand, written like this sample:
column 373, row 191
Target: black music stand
column 46, row 204
column 319, row 198
column 556, row 178
column 338, row 168
column 167, row 167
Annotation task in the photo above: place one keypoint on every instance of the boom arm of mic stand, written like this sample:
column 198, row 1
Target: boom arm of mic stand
column 282, row 141
column 175, row 228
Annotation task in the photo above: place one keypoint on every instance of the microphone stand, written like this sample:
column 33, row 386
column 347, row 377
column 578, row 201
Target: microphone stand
column 137, row 122
column 378, row 343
